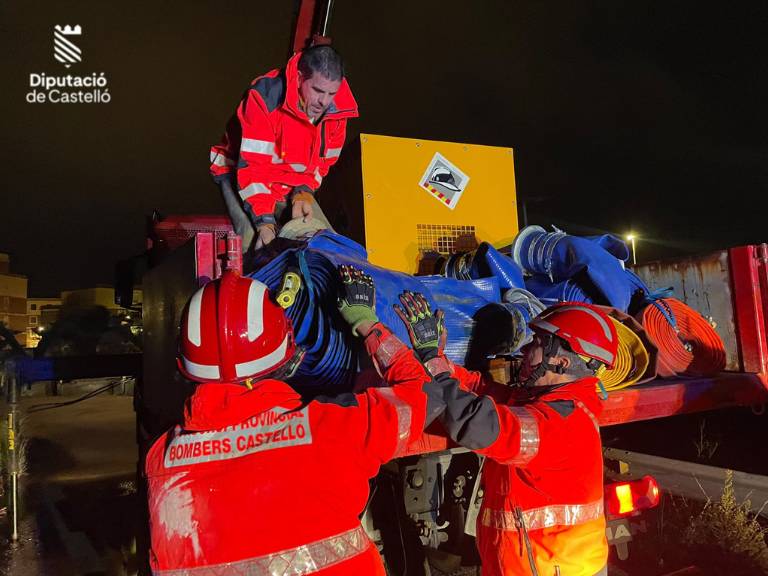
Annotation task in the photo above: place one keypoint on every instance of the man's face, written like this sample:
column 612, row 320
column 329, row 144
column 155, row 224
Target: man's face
column 533, row 354
column 317, row 93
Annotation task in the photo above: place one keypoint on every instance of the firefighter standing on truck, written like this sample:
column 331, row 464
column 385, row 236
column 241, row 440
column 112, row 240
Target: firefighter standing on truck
column 258, row 480
column 542, row 511
column 287, row 132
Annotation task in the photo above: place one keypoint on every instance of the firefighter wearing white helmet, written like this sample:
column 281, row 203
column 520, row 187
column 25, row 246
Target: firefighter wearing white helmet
column 542, row 513
column 242, row 486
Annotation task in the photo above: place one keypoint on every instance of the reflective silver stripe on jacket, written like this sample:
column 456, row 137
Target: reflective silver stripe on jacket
column 333, row 153
column 221, row 160
column 254, row 189
column 544, row 517
column 403, row 418
column 386, row 350
column 529, row 436
column 306, row 559
column 260, row 147
column 257, row 146
column 298, row 167
column 592, row 417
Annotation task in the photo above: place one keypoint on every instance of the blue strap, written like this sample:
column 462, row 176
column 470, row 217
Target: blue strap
column 304, row 268
column 603, row 391
column 656, row 298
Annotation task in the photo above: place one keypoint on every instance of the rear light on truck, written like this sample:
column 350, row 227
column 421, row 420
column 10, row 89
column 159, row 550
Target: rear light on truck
column 629, row 498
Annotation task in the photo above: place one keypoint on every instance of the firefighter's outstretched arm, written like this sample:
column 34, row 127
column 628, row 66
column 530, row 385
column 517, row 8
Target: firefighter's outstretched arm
column 428, row 338
column 426, row 330
column 507, row 434
column 398, row 413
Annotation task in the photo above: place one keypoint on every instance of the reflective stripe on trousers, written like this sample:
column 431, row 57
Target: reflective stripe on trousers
column 306, row 559
column 544, row 517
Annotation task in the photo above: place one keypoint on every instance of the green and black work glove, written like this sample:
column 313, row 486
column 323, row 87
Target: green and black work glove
column 357, row 297
column 427, row 330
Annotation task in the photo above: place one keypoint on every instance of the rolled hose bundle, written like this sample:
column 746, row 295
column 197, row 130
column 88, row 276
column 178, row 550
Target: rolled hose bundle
column 631, row 360
column 688, row 345
column 484, row 262
column 596, row 264
column 330, row 359
column 332, row 353
column 553, row 292
column 574, row 290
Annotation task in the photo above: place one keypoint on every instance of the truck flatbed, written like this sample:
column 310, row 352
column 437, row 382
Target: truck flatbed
column 655, row 399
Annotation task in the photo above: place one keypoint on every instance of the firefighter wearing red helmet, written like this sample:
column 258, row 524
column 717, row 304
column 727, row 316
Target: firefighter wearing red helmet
column 542, row 511
column 258, row 480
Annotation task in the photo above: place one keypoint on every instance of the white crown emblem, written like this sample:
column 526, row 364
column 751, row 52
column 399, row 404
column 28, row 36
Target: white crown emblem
column 69, row 30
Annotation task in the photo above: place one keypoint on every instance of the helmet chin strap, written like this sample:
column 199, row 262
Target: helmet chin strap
column 285, row 371
column 550, row 350
column 289, row 368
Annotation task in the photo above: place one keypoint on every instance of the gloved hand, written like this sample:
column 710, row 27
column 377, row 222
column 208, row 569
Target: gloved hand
column 427, row 330
column 265, row 233
column 357, row 299
column 302, row 205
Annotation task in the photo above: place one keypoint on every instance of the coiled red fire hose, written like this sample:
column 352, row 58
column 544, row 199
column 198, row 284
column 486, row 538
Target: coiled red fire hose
column 688, row 345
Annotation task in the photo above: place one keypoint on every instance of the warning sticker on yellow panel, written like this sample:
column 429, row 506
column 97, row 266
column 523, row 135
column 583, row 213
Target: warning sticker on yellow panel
column 444, row 181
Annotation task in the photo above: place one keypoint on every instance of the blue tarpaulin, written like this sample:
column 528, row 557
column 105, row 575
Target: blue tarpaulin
column 331, row 351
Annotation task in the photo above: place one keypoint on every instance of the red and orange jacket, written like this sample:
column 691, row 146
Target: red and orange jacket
column 261, row 482
column 272, row 146
column 543, row 475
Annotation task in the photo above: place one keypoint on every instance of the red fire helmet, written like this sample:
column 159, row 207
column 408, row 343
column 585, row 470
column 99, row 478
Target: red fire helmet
column 586, row 329
column 231, row 331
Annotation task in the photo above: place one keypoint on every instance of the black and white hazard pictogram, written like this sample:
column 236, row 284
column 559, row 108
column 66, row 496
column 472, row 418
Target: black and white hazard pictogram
column 444, row 178
column 444, row 181
column 64, row 48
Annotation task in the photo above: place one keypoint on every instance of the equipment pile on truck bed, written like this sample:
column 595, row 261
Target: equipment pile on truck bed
column 699, row 346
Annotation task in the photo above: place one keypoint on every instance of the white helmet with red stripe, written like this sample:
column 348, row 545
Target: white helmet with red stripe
column 586, row 329
column 231, row 331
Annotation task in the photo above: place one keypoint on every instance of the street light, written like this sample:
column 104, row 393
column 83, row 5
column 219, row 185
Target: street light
column 631, row 239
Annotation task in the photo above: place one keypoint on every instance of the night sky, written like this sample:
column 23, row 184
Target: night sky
column 622, row 115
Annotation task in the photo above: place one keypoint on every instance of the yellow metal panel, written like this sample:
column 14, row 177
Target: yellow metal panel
column 395, row 204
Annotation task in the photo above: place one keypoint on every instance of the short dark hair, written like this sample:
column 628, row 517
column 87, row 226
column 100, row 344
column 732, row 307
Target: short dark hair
column 321, row 59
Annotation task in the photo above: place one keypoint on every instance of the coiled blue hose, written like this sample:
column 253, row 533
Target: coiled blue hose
column 552, row 292
column 332, row 353
column 594, row 265
column 488, row 261
column 485, row 262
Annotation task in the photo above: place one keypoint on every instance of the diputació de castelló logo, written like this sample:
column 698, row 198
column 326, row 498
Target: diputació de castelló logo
column 70, row 88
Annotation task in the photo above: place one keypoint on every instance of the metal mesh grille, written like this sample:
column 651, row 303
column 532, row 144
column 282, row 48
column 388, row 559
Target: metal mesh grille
column 443, row 238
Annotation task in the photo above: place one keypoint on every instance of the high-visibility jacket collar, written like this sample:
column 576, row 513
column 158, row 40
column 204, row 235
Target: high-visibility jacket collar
column 343, row 105
column 582, row 387
column 216, row 405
